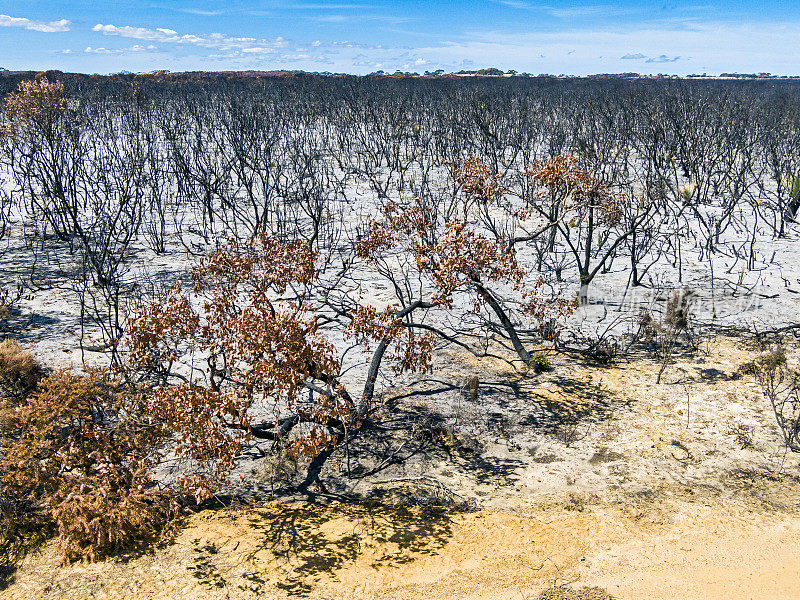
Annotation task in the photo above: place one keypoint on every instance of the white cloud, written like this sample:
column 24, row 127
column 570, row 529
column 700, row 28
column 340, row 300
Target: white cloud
column 43, row 26
column 219, row 41
column 325, row 6
column 663, row 58
column 200, row 12
column 258, row 50
column 575, row 12
column 569, row 12
column 132, row 49
column 516, row 4
column 361, row 18
column 712, row 47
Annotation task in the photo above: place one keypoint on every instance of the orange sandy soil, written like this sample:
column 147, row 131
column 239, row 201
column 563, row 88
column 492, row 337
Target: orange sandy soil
column 677, row 549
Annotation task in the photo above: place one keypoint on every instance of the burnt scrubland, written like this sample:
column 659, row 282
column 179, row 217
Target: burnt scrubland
column 398, row 337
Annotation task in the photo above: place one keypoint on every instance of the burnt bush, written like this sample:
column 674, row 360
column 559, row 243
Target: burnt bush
column 780, row 383
column 76, row 457
column 19, row 372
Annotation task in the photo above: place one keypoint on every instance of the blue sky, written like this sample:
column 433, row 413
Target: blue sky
column 361, row 36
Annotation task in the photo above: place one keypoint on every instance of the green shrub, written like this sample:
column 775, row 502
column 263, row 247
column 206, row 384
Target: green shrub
column 541, row 363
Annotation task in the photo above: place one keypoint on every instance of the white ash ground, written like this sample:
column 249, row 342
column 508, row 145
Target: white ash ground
column 599, row 473
column 620, row 434
column 48, row 314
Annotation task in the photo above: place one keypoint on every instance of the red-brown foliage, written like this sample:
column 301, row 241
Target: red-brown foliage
column 573, row 190
column 77, row 452
column 455, row 254
column 244, row 337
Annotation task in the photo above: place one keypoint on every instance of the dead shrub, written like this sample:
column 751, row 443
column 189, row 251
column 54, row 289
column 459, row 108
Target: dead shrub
column 9, row 296
column 649, row 330
column 279, row 469
column 472, row 384
column 569, row 431
column 36, row 104
column 678, row 316
column 76, row 454
column 781, row 385
column 19, row 526
column 104, row 515
column 605, row 351
column 19, row 372
column 678, row 313
column 663, row 338
column 562, row 592
column 743, row 435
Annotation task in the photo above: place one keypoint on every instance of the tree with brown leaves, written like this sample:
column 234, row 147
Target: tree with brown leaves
column 583, row 212
column 242, row 356
column 459, row 256
column 230, row 360
column 77, row 454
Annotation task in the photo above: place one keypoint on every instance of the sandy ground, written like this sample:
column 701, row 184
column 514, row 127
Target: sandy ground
column 678, row 490
column 683, row 549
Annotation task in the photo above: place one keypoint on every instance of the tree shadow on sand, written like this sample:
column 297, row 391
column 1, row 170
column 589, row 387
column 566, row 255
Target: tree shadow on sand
column 568, row 401
column 559, row 401
column 311, row 541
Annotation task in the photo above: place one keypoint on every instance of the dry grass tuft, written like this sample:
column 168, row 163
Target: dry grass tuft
column 563, row 592
column 19, row 372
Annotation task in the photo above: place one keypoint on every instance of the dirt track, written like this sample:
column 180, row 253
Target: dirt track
column 677, row 549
